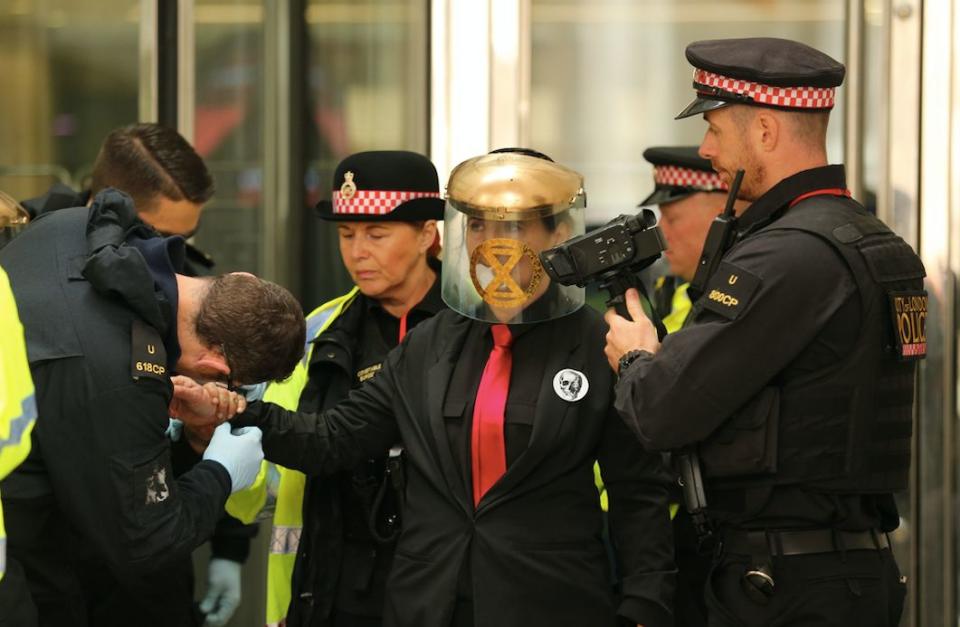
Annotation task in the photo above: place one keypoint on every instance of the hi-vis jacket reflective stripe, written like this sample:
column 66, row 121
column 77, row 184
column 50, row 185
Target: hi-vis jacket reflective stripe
column 279, row 488
column 18, row 408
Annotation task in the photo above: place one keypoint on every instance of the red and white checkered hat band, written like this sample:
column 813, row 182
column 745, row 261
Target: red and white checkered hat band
column 373, row 202
column 792, row 97
column 687, row 177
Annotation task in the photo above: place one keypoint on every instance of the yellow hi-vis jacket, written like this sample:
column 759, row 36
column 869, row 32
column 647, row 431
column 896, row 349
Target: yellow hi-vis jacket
column 680, row 307
column 281, row 487
column 18, row 407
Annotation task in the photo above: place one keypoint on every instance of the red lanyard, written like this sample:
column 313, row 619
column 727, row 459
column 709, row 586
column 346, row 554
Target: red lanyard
column 830, row 191
column 403, row 327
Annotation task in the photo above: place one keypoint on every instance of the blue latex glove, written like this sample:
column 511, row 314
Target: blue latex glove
column 223, row 592
column 238, row 451
column 174, row 430
column 254, row 392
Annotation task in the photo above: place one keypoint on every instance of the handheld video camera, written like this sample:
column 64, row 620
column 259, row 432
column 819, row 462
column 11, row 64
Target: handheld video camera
column 610, row 255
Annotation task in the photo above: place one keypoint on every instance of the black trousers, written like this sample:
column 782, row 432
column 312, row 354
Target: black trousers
column 835, row 589
column 57, row 589
column 16, row 605
column 344, row 619
column 693, row 567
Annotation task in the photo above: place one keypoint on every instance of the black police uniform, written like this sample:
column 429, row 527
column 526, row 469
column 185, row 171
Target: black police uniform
column 531, row 553
column 94, row 514
column 231, row 539
column 794, row 380
column 788, row 381
column 342, row 565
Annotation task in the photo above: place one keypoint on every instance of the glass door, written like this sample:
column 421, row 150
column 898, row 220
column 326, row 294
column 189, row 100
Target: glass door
column 71, row 75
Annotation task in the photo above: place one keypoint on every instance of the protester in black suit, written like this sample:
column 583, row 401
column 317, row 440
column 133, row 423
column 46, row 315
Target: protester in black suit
column 502, row 405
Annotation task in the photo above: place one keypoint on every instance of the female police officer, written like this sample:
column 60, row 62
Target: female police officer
column 502, row 406
column 385, row 205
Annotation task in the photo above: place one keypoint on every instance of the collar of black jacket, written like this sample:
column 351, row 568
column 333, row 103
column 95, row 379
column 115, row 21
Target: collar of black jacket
column 118, row 268
column 777, row 200
column 165, row 258
column 59, row 196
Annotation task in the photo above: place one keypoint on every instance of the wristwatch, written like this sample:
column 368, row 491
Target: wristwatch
column 628, row 358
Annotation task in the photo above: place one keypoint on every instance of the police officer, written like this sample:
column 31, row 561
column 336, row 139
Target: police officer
column 166, row 178
column 169, row 184
column 790, row 389
column 94, row 512
column 502, row 405
column 18, row 412
column 385, row 206
column 689, row 195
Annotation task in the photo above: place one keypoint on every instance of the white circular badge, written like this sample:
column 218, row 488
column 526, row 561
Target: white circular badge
column 570, row 385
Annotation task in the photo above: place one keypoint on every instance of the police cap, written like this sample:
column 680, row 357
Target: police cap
column 678, row 172
column 384, row 185
column 762, row 71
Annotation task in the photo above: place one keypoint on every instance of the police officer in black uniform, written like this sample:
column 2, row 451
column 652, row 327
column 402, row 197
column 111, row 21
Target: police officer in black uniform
column 94, row 514
column 385, row 205
column 791, row 387
column 169, row 184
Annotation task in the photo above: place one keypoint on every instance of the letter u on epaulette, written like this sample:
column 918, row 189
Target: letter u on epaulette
column 729, row 290
column 148, row 356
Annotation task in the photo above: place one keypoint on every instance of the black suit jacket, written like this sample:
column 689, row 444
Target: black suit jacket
column 533, row 545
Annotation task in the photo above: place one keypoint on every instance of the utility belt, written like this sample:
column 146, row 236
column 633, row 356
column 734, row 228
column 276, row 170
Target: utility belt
column 800, row 542
column 758, row 580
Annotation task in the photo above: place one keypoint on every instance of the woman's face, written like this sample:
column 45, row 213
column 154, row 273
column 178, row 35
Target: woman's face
column 534, row 234
column 381, row 256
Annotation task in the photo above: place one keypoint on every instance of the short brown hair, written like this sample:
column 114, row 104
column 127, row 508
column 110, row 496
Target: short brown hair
column 150, row 160
column 811, row 126
column 257, row 324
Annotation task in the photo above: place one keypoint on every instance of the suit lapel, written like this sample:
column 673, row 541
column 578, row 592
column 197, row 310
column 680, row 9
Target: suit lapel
column 549, row 416
column 438, row 381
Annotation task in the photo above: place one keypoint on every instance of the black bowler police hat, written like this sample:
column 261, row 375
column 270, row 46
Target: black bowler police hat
column 678, row 172
column 384, row 185
column 761, row 71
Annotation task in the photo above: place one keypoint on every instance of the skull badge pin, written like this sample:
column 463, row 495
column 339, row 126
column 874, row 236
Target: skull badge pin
column 570, row 385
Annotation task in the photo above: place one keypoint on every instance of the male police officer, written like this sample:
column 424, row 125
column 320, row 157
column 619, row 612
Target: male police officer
column 161, row 172
column 793, row 382
column 169, row 183
column 94, row 510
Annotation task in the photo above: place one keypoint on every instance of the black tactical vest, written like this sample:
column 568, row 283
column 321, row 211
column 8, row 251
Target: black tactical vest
column 848, row 426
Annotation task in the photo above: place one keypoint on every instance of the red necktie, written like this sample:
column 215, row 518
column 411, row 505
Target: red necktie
column 488, row 450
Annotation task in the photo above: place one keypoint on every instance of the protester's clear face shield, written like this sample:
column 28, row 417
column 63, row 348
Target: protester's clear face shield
column 491, row 266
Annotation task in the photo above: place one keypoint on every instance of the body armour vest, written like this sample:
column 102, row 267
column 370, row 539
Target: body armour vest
column 846, row 427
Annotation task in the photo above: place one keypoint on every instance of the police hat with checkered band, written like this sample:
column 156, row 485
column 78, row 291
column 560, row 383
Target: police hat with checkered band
column 678, row 172
column 384, row 185
column 762, row 71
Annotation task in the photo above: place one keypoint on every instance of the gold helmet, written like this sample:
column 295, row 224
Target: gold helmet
column 502, row 210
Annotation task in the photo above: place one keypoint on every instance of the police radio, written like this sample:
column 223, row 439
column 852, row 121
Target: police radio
column 719, row 239
column 610, row 255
